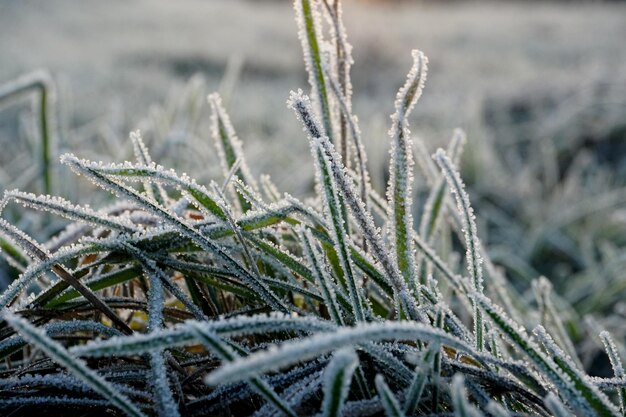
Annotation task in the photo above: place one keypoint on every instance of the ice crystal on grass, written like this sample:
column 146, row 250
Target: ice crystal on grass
column 229, row 147
column 400, row 187
column 473, row 257
column 616, row 364
column 337, row 378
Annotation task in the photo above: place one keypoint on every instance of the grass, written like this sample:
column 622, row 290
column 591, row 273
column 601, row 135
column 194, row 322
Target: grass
column 230, row 298
column 39, row 82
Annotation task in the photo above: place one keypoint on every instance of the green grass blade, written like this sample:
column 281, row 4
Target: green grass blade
column 337, row 378
column 229, row 147
column 388, row 399
column 400, row 186
column 300, row 350
column 474, row 259
column 308, row 21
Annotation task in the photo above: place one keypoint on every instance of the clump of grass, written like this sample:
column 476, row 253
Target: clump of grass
column 232, row 299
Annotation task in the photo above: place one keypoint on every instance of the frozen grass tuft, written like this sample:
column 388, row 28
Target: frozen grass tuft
column 198, row 299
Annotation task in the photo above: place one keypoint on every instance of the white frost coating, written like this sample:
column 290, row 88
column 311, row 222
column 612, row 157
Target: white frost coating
column 516, row 334
column 60, row 355
column 166, row 405
column 139, row 148
column 17, row 341
column 28, row 244
column 71, row 233
column 341, row 238
column 35, row 269
column 296, row 393
column 155, row 173
column 227, row 353
column 333, row 212
column 220, row 126
column 457, row 144
column 387, row 398
column 250, row 194
column 342, row 56
column 308, row 20
column 156, row 300
column 496, row 410
column 182, row 334
column 587, row 391
column 58, row 380
column 269, row 188
column 543, row 289
column 181, row 225
column 338, row 375
column 616, row 364
column 357, row 144
column 62, row 207
column 292, row 352
column 158, row 278
column 400, row 186
column 430, row 220
column 556, row 406
column 301, row 105
column 53, row 400
column 474, row 259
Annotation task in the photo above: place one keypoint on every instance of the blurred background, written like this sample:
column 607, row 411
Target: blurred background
column 513, row 71
column 539, row 87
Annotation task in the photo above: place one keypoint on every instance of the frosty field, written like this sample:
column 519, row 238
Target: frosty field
column 114, row 61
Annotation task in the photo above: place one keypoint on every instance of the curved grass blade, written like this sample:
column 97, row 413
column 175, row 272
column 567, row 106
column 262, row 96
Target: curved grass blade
column 337, row 378
column 62, row 207
column 182, row 334
column 307, row 19
column 300, row 350
column 13, row 344
column 400, row 186
column 334, row 212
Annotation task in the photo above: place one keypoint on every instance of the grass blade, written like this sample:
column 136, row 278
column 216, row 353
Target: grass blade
column 400, row 186
column 474, row 259
column 337, row 377
column 389, row 400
